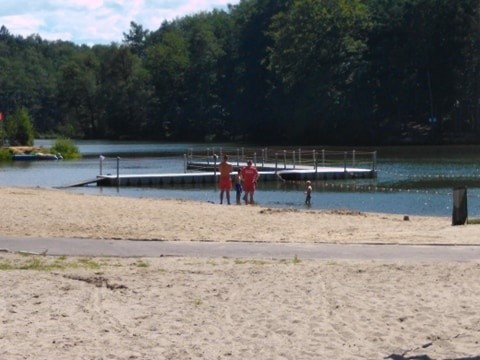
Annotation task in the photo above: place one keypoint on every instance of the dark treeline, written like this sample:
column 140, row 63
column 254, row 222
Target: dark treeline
column 337, row 72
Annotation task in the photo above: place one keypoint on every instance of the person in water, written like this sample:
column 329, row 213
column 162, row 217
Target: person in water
column 308, row 193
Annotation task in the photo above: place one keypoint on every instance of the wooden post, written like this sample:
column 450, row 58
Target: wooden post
column 118, row 171
column 101, row 163
column 323, row 157
column 214, row 165
column 315, row 161
column 293, row 158
column 345, row 161
column 284, row 159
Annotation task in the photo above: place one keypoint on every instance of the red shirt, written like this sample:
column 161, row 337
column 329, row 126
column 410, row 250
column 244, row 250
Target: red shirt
column 249, row 176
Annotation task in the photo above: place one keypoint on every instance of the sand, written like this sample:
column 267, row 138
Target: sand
column 196, row 308
column 57, row 213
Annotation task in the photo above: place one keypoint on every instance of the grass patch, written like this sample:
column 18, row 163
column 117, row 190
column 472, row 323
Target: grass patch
column 41, row 263
column 253, row 262
column 142, row 264
column 89, row 263
column 66, row 148
column 5, row 154
column 475, row 221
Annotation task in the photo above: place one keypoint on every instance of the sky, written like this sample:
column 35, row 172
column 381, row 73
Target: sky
column 93, row 22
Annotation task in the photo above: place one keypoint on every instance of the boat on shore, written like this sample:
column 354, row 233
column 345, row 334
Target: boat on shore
column 36, row 156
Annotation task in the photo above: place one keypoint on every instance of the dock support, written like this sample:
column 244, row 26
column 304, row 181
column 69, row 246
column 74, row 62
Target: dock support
column 215, row 166
column 345, row 161
column 118, row 170
column 101, row 164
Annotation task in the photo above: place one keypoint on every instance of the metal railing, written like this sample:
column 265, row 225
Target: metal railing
column 276, row 160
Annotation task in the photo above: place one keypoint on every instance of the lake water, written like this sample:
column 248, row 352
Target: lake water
column 411, row 180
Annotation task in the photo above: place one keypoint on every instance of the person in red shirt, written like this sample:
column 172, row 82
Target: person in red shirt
column 225, row 169
column 250, row 176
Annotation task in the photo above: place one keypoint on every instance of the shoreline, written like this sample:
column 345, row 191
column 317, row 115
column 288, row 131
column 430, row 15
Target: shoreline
column 42, row 212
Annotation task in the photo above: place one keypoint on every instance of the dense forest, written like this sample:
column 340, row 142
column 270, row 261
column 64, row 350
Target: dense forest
column 338, row 72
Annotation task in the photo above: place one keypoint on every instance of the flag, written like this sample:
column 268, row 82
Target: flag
column 1, row 116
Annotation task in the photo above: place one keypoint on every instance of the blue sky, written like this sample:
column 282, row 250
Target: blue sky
column 95, row 21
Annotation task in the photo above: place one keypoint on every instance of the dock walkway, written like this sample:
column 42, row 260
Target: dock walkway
column 203, row 169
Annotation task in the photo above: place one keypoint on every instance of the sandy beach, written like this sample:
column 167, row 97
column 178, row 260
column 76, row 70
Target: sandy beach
column 225, row 308
column 58, row 213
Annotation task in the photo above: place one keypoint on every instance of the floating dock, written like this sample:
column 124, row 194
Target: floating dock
column 203, row 178
column 316, row 168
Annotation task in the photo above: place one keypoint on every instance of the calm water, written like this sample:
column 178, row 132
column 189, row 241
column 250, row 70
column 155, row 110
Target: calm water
column 411, row 181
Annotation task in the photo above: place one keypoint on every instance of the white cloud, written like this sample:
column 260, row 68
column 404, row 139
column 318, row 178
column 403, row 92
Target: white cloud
column 24, row 24
column 95, row 21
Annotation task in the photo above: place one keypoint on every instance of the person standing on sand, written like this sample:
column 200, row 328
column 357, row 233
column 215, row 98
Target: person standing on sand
column 308, row 193
column 250, row 176
column 225, row 168
column 238, row 186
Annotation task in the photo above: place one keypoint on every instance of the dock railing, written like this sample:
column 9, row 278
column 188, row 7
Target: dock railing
column 276, row 160
column 265, row 159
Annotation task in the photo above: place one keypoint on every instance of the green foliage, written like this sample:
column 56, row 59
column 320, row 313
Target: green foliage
column 297, row 71
column 66, row 148
column 5, row 154
column 41, row 263
column 19, row 129
column 142, row 264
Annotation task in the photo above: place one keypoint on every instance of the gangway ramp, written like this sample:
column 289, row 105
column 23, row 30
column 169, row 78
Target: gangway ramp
column 83, row 183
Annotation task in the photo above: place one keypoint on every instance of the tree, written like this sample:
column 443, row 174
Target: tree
column 255, row 106
column 126, row 95
column 318, row 55
column 135, row 39
column 167, row 63
column 19, row 128
column 79, row 94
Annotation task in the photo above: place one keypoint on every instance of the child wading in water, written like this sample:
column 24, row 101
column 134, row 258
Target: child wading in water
column 308, row 193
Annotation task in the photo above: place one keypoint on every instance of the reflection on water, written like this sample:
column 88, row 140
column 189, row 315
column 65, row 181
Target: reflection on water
column 411, row 181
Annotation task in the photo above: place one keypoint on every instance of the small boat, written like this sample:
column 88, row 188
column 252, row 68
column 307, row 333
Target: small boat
column 36, row 156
